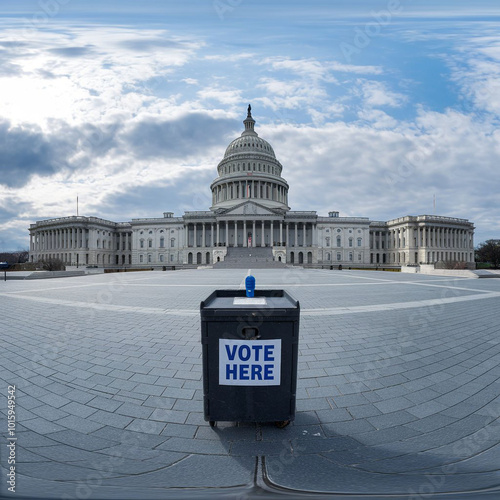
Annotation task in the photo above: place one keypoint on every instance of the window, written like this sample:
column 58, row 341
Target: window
column 150, row 258
column 339, row 256
column 142, row 244
column 161, row 258
column 339, row 241
column 171, row 257
column 350, row 256
column 141, row 258
column 359, row 242
column 150, row 243
column 350, row 242
column 162, row 242
column 327, row 242
column 328, row 256
column 172, row 243
column 359, row 256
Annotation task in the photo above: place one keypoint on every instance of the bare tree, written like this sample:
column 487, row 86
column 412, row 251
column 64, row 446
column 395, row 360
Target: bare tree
column 52, row 265
column 489, row 251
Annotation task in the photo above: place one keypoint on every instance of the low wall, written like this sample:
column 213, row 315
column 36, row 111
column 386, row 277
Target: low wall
column 429, row 270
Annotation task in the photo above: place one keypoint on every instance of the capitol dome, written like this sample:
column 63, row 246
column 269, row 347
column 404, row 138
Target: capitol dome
column 247, row 143
column 249, row 171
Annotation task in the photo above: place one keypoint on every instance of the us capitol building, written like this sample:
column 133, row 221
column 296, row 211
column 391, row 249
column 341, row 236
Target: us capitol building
column 250, row 216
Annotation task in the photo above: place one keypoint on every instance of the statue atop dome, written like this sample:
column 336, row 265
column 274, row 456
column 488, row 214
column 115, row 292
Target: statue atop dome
column 249, row 110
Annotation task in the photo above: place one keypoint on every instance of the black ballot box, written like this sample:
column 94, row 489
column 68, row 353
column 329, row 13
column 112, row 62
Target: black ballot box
column 250, row 351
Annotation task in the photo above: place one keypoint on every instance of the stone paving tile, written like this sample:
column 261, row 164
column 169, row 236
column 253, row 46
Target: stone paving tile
column 333, row 415
column 112, row 419
column 42, row 426
column 80, row 440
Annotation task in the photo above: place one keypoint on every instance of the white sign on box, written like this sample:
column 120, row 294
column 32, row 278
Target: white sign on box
column 249, row 362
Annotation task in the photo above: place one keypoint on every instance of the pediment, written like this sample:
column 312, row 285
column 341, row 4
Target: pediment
column 249, row 208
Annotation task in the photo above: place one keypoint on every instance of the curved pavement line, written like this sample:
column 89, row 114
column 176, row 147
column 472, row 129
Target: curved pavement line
column 324, row 311
column 264, row 483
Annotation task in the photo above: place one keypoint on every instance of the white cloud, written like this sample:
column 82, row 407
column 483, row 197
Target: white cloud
column 80, row 75
column 227, row 97
column 377, row 94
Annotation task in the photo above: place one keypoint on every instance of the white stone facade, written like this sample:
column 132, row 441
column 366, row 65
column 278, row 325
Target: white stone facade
column 250, row 209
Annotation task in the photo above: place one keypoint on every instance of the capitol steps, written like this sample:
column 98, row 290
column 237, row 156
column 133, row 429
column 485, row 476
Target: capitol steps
column 242, row 258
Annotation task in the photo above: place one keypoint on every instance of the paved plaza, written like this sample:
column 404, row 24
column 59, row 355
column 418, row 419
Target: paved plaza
column 398, row 388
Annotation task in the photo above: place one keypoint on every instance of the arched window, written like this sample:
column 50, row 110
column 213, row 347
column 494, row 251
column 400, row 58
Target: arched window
column 141, row 258
column 150, row 243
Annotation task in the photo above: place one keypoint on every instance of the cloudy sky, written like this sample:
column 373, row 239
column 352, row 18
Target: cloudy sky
column 374, row 108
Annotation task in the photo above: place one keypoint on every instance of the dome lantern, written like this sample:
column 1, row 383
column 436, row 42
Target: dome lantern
column 249, row 123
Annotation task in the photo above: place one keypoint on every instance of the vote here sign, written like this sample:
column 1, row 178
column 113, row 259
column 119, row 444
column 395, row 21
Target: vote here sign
column 249, row 362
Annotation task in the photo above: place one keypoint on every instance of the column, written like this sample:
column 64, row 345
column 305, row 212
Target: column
column 271, row 239
column 281, row 232
column 263, row 242
column 253, row 235
column 235, row 233
column 212, row 234
column 203, row 236
column 218, row 234
column 245, row 236
column 227, row 233
column 194, row 235
column 296, row 235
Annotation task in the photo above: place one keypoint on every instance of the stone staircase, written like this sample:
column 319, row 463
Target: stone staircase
column 253, row 258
